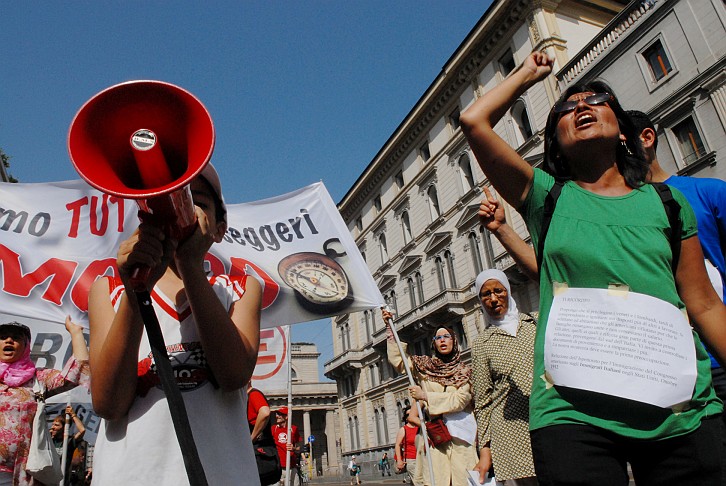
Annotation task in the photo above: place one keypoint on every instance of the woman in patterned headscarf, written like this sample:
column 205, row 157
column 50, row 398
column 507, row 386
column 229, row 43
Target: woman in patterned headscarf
column 502, row 362
column 444, row 389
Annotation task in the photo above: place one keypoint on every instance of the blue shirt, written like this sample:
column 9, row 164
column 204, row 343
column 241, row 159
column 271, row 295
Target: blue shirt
column 708, row 200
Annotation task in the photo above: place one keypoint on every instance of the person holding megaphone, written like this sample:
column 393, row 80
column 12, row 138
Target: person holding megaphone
column 210, row 325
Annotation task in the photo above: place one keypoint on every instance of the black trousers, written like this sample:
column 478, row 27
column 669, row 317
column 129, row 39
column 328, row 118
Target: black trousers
column 585, row 455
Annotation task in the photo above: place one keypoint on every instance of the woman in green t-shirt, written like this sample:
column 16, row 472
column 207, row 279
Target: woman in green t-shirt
column 608, row 237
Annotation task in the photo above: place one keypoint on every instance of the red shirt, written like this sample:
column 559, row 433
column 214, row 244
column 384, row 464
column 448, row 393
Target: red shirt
column 255, row 402
column 409, row 442
column 280, row 436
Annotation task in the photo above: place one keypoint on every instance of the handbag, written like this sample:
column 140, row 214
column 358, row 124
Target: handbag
column 437, row 432
column 266, row 456
column 44, row 463
column 268, row 464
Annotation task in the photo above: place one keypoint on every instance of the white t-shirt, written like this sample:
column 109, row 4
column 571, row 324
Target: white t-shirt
column 142, row 448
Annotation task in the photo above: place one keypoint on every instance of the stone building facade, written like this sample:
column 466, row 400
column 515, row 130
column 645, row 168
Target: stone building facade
column 413, row 211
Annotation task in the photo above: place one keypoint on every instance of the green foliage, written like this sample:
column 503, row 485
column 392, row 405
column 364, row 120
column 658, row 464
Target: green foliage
column 5, row 158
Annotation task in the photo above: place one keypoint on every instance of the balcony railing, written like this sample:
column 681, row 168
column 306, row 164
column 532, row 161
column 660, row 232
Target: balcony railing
column 609, row 36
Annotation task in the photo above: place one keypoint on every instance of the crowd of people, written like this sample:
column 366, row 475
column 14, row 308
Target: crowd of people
column 601, row 222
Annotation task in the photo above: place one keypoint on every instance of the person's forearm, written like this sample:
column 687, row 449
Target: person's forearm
column 78, row 344
column 114, row 363
column 492, row 106
column 231, row 355
column 260, row 423
column 520, row 251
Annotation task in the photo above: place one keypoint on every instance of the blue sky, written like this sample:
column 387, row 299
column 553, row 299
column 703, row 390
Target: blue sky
column 299, row 91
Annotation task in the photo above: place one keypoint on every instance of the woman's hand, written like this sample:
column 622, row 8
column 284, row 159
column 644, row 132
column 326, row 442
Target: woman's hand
column 417, row 393
column 539, row 64
column 78, row 342
column 387, row 318
column 484, row 464
column 400, row 464
column 147, row 247
column 491, row 213
column 192, row 250
column 73, row 328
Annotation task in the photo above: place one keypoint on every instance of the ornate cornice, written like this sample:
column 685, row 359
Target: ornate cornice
column 454, row 76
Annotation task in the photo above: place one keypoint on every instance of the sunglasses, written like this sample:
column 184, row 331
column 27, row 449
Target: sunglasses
column 442, row 336
column 592, row 100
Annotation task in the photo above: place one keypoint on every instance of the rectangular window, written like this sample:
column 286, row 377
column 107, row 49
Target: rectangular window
column 424, row 151
column 506, row 63
column 657, row 60
column 689, row 141
column 398, row 178
column 454, row 119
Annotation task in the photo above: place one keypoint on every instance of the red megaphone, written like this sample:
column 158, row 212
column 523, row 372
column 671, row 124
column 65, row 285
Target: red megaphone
column 145, row 140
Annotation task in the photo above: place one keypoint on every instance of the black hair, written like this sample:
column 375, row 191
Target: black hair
column 219, row 211
column 641, row 121
column 630, row 158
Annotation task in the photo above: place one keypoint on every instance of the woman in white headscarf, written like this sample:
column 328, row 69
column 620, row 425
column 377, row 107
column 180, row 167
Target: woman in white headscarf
column 502, row 364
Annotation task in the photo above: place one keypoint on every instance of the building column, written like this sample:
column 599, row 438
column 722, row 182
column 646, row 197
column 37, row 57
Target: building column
column 306, row 426
column 333, row 459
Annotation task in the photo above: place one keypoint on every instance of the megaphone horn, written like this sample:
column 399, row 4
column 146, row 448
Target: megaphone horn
column 145, row 140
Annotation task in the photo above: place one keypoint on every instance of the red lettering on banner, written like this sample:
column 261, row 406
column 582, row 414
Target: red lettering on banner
column 79, row 293
column 216, row 266
column 15, row 283
column 96, row 227
column 262, row 356
column 269, row 361
column 75, row 208
column 272, row 288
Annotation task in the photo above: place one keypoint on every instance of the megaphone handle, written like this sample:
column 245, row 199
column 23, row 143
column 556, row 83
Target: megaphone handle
column 139, row 276
column 179, row 417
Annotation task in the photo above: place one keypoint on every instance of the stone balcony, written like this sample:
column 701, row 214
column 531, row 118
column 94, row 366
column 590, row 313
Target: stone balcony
column 609, row 37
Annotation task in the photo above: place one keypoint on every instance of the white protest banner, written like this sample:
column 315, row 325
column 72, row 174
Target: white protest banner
column 623, row 344
column 57, row 238
column 300, row 246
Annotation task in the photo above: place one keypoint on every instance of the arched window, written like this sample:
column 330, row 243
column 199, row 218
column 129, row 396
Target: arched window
column 467, row 176
column 351, row 429
column 433, row 202
column 488, row 248
column 448, row 256
column 357, row 432
column 367, row 321
column 523, row 128
column 346, row 336
column 377, row 420
column 383, row 247
column 406, row 227
column 475, row 253
column 440, row 273
column 411, row 291
column 390, row 299
column 384, row 423
column 461, row 336
column 419, row 287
